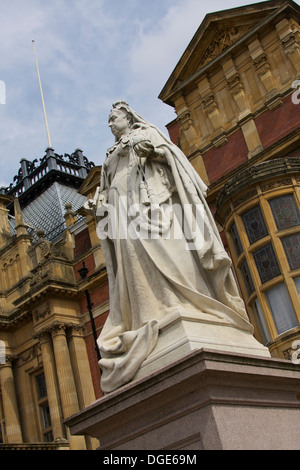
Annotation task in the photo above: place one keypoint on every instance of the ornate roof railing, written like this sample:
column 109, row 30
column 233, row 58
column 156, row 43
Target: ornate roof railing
column 30, row 173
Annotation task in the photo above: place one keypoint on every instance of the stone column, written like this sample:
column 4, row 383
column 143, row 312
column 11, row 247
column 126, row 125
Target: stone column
column 10, row 406
column 66, row 382
column 80, row 362
column 51, row 384
column 82, row 373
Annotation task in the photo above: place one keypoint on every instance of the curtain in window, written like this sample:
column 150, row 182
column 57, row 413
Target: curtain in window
column 281, row 308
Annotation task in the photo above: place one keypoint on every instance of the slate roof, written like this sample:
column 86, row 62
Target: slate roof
column 43, row 191
column 47, row 210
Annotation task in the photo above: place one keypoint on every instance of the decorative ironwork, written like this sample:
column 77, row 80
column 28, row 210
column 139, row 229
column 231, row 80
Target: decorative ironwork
column 31, row 172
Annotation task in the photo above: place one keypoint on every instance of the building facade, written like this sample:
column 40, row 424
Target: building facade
column 235, row 94
column 45, row 374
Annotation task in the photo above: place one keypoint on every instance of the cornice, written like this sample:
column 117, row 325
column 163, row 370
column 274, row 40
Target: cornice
column 277, row 168
column 11, row 321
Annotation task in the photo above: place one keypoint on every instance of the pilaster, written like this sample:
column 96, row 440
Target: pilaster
column 11, row 412
column 289, row 35
column 51, row 384
column 264, row 72
column 66, row 381
column 245, row 118
column 186, row 124
column 79, row 359
column 211, row 109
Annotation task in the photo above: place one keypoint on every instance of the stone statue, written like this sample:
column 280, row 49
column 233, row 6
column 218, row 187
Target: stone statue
column 162, row 249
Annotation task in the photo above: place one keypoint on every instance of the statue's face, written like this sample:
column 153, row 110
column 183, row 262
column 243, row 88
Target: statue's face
column 118, row 123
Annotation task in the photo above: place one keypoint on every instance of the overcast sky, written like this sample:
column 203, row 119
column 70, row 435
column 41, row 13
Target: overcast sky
column 90, row 54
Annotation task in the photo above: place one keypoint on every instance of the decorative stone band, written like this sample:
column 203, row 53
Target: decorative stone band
column 255, row 174
column 58, row 327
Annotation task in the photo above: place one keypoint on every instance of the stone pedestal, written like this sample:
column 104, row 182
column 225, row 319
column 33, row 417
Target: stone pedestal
column 182, row 333
column 205, row 400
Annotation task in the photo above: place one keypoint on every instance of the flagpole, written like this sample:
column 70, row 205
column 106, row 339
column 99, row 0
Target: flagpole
column 43, row 103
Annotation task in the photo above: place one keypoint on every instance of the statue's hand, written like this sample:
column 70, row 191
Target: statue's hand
column 144, row 149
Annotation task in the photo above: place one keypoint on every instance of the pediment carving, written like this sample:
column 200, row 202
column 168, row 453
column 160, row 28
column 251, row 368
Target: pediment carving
column 217, row 32
column 222, row 40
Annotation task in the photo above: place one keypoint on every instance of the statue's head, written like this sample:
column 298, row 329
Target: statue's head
column 120, row 119
column 134, row 120
column 122, row 106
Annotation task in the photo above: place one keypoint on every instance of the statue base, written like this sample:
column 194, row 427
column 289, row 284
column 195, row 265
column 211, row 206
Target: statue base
column 181, row 334
column 207, row 400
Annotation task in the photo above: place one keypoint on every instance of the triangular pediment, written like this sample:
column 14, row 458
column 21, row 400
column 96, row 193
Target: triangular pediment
column 223, row 37
column 220, row 32
column 91, row 182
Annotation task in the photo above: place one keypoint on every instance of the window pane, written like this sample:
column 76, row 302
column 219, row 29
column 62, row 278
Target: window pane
column 291, row 247
column 236, row 240
column 281, row 308
column 297, row 283
column 266, row 263
column 46, row 415
column 41, row 386
column 260, row 321
column 254, row 224
column 285, row 211
column 48, row 437
column 247, row 278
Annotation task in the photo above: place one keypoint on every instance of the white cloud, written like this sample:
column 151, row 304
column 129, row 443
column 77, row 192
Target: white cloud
column 90, row 53
column 156, row 52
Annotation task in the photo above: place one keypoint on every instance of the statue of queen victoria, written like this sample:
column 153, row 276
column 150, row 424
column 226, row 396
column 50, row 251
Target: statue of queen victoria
column 163, row 253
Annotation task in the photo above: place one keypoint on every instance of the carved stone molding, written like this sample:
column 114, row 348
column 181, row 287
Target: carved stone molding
column 185, row 120
column 40, row 275
column 222, row 40
column 245, row 198
column 290, row 42
column 76, row 329
column 235, row 84
column 261, row 64
column 28, row 355
column 209, row 103
column 10, row 360
column 292, row 353
column 42, row 313
column 57, row 328
column 276, row 184
column 42, row 335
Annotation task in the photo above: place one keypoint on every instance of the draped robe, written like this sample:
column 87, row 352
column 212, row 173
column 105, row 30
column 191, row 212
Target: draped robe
column 181, row 266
